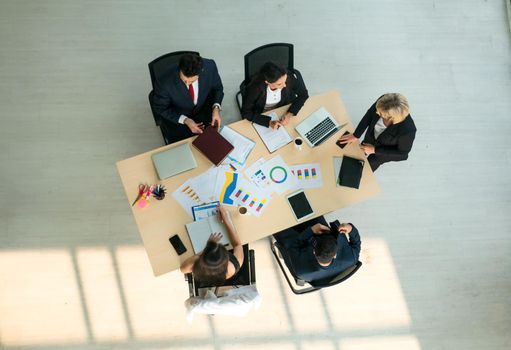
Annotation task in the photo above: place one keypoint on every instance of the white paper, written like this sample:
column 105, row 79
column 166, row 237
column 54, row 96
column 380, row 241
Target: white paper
column 251, row 197
column 280, row 175
column 242, row 148
column 258, row 177
column 187, row 197
column 273, row 139
column 204, row 184
column 224, row 186
column 308, row 175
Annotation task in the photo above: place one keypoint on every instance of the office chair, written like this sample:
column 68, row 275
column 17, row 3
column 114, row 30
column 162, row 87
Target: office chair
column 157, row 68
column 299, row 286
column 279, row 53
column 245, row 277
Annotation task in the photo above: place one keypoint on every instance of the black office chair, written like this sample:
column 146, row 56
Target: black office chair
column 279, row 53
column 299, row 286
column 157, row 68
column 245, row 277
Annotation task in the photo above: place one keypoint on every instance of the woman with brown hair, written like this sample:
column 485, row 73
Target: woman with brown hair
column 390, row 131
column 214, row 265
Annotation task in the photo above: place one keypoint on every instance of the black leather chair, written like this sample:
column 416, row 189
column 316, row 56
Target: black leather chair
column 299, row 286
column 157, row 67
column 246, row 276
column 279, row 53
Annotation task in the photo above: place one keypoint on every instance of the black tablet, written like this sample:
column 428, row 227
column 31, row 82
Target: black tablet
column 300, row 205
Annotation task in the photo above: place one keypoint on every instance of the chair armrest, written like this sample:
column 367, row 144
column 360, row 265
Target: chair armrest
column 251, row 256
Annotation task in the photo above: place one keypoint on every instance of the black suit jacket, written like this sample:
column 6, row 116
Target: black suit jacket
column 394, row 143
column 254, row 98
column 299, row 256
column 171, row 98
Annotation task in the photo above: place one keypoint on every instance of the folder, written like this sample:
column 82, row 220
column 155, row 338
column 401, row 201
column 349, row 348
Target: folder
column 213, row 145
column 350, row 172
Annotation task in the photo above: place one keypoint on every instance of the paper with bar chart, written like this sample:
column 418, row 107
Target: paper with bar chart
column 248, row 195
column 187, row 197
column 308, row 175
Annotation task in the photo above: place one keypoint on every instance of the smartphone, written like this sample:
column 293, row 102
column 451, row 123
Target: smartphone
column 335, row 225
column 342, row 145
column 177, row 244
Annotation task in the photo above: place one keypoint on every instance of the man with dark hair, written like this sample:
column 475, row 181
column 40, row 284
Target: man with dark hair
column 188, row 97
column 314, row 251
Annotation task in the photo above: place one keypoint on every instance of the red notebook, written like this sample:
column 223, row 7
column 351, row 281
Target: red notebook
column 213, row 145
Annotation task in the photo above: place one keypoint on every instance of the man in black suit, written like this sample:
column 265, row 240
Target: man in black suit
column 188, row 97
column 314, row 251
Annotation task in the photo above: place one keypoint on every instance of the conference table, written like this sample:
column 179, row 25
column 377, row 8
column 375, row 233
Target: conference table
column 162, row 219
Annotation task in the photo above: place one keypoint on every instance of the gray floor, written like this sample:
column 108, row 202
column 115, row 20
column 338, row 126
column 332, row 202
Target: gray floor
column 73, row 101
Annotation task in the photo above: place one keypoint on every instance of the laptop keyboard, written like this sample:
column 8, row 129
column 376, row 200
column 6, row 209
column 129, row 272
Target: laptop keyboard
column 321, row 131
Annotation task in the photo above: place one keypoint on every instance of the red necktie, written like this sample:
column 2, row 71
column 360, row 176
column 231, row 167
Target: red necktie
column 191, row 92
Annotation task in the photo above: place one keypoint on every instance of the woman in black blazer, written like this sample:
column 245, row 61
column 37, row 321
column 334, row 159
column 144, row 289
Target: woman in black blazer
column 390, row 131
column 273, row 87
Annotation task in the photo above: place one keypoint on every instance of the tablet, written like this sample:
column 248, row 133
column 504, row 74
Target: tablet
column 300, row 205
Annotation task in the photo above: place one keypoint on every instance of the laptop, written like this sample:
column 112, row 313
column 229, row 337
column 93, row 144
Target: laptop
column 318, row 127
column 174, row 161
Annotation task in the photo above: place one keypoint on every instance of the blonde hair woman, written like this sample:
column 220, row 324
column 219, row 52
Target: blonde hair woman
column 390, row 131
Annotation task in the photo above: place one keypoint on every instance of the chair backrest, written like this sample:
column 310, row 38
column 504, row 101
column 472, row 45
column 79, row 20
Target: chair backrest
column 245, row 276
column 161, row 64
column 280, row 53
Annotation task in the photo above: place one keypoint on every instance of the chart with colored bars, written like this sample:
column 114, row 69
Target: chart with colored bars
column 308, row 175
column 187, row 197
column 252, row 198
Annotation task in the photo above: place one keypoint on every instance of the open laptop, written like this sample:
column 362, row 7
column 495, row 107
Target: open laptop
column 174, row 161
column 318, row 127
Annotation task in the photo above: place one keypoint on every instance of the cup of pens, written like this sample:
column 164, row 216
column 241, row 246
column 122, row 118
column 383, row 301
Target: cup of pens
column 159, row 192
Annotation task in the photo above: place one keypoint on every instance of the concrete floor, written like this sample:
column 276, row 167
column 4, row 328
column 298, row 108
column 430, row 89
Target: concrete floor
column 436, row 242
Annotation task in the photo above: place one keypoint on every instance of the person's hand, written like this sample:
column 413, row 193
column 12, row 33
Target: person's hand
column 347, row 139
column 215, row 237
column 223, row 215
column 367, row 148
column 215, row 119
column 318, row 229
column 284, row 120
column 275, row 124
column 345, row 228
column 194, row 127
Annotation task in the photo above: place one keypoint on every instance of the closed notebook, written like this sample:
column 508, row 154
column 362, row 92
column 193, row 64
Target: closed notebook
column 213, row 145
column 350, row 172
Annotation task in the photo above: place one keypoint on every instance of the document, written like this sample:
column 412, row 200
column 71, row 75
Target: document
column 251, row 197
column 205, row 210
column 273, row 139
column 280, row 175
column 199, row 232
column 308, row 175
column 242, row 148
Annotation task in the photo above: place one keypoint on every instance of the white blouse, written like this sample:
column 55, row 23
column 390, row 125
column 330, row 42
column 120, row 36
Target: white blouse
column 272, row 97
column 379, row 127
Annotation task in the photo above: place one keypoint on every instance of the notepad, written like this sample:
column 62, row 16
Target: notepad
column 213, row 145
column 273, row 139
column 199, row 232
